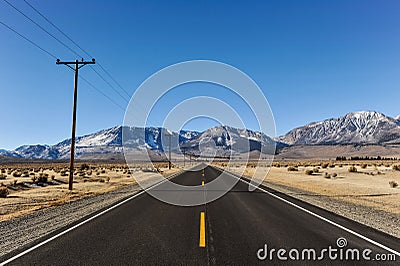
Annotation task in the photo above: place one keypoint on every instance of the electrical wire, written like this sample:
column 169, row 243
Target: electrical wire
column 59, row 30
column 28, row 40
column 73, row 51
column 102, row 93
column 109, row 84
column 77, row 45
column 37, row 24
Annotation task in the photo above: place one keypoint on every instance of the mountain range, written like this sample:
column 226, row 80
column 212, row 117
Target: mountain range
column 363, row 128
column 356, row 128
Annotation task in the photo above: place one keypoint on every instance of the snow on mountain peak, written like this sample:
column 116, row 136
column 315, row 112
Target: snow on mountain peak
column 363, row 127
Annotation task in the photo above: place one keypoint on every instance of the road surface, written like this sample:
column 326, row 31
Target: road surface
column 227, row 231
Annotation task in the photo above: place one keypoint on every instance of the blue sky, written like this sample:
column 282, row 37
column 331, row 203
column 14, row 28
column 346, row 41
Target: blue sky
column 312, row 59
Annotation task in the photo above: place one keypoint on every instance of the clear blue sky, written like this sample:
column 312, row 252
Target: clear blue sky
column 313, row 59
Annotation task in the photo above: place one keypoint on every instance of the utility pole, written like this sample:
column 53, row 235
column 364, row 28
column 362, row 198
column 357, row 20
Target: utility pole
column 169, row 134
column 77, row 65
column 184, row 156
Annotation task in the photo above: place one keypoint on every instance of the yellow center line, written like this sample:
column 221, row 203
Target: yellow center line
column 202, row 242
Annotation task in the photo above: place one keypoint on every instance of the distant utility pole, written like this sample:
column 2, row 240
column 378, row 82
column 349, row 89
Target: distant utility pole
column 77, row 65
column 184, row 156
column 169, row 150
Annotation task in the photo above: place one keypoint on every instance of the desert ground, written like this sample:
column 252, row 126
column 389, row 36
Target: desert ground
column 371, row 184
column 28, row 188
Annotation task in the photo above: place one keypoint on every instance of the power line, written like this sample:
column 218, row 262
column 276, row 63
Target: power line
column 119, row 85
column 37, row 24
column 109, row 84
column 58, row 40
column 55, row 26
column 28, row 40
column 77, row 45
column 105, row 95
column 73, row 51
column 53, row 56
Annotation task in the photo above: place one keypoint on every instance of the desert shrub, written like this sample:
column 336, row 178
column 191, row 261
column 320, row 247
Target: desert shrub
column 3, row 192
column 103, row 171
column 102, row 180
column 34, row 179
column 352, row 169
column 334, row 175
column 42, row 178
column 25, row 174
column 3, row 171
column 292, row 169
column 89, row 172
column 64, row 173
column 315, row 170
column 396, row 167
column 332, row 165
column 324, row 165
column 326, row 175
column 84, row 166
column 363, row 166
column 107, row 179
column 17, row 174
column 3, row 176
column 309, row 172
column 15, row 182
column 393, row 184
column 53, row 177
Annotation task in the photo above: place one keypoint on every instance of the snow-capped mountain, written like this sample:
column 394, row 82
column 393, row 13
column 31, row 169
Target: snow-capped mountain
column 221, row 140
column 362, row 128
column 107, row 141
column 218, row 140
column 365, row 127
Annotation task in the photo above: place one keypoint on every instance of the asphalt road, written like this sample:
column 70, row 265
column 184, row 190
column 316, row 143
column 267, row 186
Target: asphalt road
column 146, row 231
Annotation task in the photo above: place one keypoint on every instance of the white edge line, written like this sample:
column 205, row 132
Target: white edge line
column 319, row 216
column 86, row 221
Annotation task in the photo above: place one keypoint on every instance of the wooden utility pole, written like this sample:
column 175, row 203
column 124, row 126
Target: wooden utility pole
column 184, row 156
column 169, row 150
column 77, row 65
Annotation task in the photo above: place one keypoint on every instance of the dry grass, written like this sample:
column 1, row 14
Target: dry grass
column 372, row 185
column 40, row 186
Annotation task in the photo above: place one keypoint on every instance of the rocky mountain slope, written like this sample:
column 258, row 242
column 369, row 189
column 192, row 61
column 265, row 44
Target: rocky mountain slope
column 217, row 140
column 364, row 128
